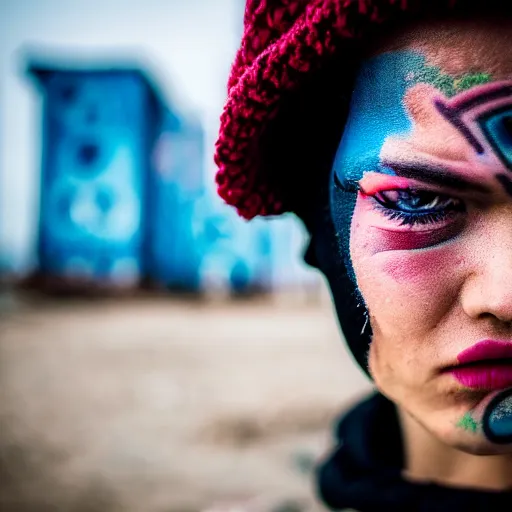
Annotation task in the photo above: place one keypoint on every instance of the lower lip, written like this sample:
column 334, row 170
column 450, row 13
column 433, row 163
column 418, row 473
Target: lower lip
column 489, row 376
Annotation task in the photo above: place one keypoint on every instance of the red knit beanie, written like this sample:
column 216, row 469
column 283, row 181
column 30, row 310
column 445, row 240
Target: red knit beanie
column 284, row 43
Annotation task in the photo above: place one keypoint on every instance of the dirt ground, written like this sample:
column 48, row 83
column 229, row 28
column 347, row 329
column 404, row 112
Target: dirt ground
column 159, row 405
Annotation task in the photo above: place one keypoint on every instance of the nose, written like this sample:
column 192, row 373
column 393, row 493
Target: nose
column 487, row 291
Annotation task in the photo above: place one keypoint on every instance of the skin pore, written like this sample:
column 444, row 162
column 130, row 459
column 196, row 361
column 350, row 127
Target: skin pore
column 428, row 145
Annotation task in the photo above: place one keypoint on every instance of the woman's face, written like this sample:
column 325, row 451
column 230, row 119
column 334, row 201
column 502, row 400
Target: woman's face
column 428, row 145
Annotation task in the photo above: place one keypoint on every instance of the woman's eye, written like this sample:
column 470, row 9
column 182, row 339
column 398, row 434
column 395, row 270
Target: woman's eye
column 416, row 201
column 417, row 206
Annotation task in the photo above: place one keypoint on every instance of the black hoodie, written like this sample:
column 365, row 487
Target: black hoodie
column 364, row 471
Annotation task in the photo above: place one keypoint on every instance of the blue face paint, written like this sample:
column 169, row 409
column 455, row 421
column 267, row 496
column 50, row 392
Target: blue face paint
column 376, row 105
column 498, row 128
column 497, row 420
column 376, row 111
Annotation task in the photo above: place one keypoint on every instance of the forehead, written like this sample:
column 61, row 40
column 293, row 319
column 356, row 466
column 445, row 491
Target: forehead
column 403, row 88
column 455, row 46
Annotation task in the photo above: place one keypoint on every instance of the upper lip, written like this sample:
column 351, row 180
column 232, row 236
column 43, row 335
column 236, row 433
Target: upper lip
column 485, row 350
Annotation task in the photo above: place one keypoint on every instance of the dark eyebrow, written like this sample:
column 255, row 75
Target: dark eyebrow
column 436, row 176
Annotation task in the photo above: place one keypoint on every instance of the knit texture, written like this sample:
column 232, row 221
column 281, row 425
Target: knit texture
column 284, row 43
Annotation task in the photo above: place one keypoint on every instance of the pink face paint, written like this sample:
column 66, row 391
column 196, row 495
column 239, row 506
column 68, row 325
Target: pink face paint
column 422, row 266
column 374, row 182
column 404, row 240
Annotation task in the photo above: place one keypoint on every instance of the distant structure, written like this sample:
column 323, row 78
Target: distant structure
column 123, row 201
column 175, row 252
column 121, row 170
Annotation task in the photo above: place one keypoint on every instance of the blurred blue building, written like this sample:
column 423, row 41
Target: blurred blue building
column 175, row 252
column 121, row 172
column 122, row 199
column 238, row 255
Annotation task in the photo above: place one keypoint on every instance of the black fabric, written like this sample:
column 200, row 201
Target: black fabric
column 364, row 471
column 329, row 252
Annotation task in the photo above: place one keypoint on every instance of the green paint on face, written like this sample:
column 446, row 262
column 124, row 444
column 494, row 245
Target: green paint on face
column 449, row 85
column 468, row 423
column 468, row 81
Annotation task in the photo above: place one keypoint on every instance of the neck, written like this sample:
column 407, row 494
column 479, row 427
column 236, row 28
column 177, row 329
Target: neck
column 429, row 460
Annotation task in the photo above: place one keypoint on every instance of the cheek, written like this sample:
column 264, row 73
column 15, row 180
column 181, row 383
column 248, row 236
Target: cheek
column 406, row 291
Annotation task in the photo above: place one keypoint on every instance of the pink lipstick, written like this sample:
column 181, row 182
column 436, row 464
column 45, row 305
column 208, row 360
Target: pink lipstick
column 486, row 365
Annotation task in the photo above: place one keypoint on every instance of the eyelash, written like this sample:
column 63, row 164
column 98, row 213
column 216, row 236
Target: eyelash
column 405, row 218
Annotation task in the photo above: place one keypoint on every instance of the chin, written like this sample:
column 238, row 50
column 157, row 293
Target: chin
column 476, row 444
